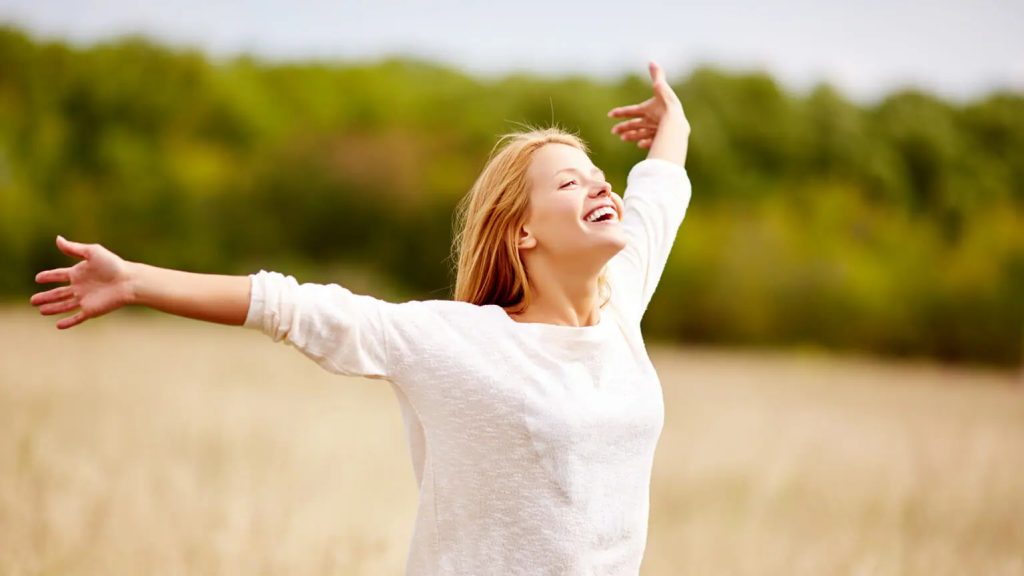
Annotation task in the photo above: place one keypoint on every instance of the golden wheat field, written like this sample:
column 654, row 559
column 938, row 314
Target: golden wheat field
column 146, row 444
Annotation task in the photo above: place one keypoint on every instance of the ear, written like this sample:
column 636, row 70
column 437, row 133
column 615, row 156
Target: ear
column 526, row 239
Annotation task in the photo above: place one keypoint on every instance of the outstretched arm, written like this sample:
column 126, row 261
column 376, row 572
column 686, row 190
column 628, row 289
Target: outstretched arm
column 103, row 282
column 657, row 192
column 658, row 123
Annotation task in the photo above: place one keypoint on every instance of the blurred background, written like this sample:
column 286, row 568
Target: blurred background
column 839, row 330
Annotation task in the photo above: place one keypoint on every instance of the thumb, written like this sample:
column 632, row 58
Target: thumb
column 76, row 249
column 661, row 87
column 657, row 74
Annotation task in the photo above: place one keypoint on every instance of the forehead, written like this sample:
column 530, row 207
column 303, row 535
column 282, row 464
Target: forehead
column 550, row 160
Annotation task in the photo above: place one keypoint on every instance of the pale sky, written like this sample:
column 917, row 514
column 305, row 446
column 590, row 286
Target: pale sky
column 958, row 49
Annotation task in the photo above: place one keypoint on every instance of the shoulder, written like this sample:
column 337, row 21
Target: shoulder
column 620, row 295
column 424, row 334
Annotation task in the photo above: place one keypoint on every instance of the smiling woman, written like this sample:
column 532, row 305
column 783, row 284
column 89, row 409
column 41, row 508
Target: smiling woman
column 531, row 408
column 504, row 253
column 575, row 233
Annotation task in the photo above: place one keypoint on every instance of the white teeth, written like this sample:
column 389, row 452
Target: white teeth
column 593, row 216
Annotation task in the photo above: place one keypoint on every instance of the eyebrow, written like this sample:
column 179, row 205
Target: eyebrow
column 595, row 169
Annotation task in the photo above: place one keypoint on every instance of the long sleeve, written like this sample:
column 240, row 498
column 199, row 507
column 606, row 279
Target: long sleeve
column 343, row 332
column 654, row 205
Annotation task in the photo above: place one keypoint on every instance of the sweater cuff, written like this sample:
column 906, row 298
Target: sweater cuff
column 257, row 300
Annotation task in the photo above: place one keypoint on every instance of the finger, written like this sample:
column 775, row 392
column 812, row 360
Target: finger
column 635, row 135
column 643, row 129
column 51, row 295
column 70, row 321
column 76, row 249
column 55, row 275
column 632, row 125
column 645, row 143
column 58, row 307
column 657, row 74
column 666, row 94
column 638, row 128
column 631, row 110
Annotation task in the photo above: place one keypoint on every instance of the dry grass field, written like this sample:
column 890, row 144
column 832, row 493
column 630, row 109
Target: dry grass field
column 139, row 444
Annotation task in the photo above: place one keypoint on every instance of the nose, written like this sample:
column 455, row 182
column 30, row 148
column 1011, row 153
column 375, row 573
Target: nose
column 603, row 188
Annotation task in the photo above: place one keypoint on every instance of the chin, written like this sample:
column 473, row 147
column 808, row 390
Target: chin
column 613, row 243
column 617, row 237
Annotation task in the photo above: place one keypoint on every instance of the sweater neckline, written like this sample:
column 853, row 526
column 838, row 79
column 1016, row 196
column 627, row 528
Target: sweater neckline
column 559, row 330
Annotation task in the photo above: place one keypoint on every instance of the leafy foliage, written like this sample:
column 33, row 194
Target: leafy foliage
column 896, row 227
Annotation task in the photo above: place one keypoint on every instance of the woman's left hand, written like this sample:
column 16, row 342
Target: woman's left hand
column 647, row 117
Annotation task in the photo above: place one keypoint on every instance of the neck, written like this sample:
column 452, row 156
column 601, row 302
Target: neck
column 562, row 295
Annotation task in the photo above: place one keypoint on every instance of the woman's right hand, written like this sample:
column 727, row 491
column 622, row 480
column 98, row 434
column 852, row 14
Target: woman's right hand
column 98, row 284
column 647, row 117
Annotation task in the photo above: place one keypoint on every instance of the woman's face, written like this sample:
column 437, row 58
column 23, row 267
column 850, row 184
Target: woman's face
column 566, row 188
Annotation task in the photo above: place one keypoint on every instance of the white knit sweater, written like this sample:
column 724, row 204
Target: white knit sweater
column 532, row 444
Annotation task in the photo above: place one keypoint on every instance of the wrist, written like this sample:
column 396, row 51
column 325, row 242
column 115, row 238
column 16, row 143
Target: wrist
column 675, row 118
column 131, row 284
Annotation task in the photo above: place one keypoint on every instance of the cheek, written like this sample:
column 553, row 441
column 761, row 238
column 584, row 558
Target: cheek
column 560, row 217
column 568, row 220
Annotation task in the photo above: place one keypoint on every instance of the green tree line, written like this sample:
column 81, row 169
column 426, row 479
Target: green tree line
column 895, row 227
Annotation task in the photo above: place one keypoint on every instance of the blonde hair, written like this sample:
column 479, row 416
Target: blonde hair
column 489, row 269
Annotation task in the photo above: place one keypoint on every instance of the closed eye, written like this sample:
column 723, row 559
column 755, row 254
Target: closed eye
column 567, row 183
